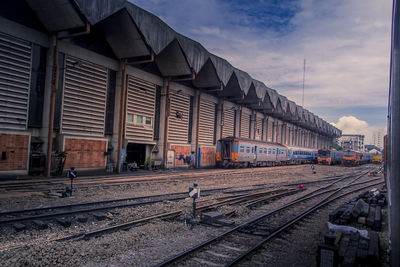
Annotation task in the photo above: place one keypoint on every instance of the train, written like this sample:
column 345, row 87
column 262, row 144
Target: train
column 354, row 158
column 329, row 156
column 377, row 159
column 243, row 152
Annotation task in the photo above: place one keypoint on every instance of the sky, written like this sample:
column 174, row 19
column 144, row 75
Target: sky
column 345, row 43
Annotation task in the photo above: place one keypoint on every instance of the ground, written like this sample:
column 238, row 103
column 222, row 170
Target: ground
column 151, row 243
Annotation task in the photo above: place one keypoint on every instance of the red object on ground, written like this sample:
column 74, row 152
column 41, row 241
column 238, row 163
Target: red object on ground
column 301, row 186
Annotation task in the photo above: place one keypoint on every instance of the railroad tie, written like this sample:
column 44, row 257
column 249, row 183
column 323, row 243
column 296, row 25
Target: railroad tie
column 232, row 248
column 217, row 254
column 206, row 262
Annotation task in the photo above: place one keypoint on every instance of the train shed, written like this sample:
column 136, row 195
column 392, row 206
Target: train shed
column 106, row 82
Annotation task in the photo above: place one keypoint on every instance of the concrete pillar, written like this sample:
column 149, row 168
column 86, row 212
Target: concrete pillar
column 278, row 132
column 265, row 125
column 253, row 124
column 196, row 117
column 284, row 133
column 44, row 131
column 117, row 106
column 237, row 123
column 220, row 122
column 273, row 131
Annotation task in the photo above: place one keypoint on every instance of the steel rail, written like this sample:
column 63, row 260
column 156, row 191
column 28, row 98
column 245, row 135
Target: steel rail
column 257, row 218
column 122, row 179
column 286, row 225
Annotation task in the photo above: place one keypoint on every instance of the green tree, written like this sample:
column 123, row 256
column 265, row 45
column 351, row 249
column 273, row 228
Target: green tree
column 335, row 145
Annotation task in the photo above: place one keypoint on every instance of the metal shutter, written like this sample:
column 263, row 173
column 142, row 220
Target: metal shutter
column 245, row 125
column 15, row 69
column 229, row 123
column 207, row 116
column 179, row 119
column 141, row 101
column 84, row 103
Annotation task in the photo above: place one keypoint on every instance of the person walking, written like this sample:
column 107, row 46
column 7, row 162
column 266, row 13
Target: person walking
column 192, row 162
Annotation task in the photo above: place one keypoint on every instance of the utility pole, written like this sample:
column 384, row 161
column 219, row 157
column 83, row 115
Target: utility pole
column 304, row 80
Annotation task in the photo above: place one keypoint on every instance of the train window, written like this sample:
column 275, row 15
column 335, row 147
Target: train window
column 248, row 149
column 241, row 149
column 265, row 150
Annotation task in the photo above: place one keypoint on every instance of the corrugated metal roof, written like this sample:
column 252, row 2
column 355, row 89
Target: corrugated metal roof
column 157, row 36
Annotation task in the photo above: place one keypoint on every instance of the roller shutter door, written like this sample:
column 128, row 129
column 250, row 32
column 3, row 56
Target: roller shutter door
column 229, row 123
column 15, row 69
column 245, row 126
column 84, row 104
column 207, row 117
column 140, row 104
column 179, row 119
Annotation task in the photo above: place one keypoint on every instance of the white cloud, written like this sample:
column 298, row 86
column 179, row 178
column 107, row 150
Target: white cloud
column 353, row 125
column 346, row 45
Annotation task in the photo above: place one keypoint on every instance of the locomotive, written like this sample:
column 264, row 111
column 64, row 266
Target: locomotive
column 354, row 158
column 329, row 156
column 244, row 152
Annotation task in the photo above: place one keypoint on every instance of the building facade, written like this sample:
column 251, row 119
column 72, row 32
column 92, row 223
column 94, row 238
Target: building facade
column 352, row 142
column 377, row 138
column 102, row 83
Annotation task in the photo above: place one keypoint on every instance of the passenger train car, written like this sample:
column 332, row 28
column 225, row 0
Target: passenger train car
column 299, row 155
column 243, row 152
column 329, row 156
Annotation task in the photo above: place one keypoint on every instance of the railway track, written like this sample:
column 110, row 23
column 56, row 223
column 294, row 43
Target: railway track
column 44, row 185
column 249, row 197
column 232, row 199
column 237, row 243
column 107, row 205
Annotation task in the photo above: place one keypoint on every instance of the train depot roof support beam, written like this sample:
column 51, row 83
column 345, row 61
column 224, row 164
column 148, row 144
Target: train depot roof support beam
column 166, row 89
column 121, row 115
column 54, row 85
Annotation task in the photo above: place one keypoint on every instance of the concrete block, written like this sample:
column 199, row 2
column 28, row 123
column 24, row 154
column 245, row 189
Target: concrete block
column 337, row 213
column 99, row 216
column 344, row 243
column 371, row 216
column 19, row 227
column 211, row 216
column 346, row 216
column 378, row 219
column 358, row 207
column 225, row 222
column 40, row 224
column 362, row 220
column 82, row 218
column 64, row 222
column 373, row 249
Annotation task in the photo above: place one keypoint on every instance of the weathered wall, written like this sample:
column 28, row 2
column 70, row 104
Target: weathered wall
column 85, row 153
column 16, row 148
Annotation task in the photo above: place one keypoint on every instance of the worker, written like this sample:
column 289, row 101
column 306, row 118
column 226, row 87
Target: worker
column 192, row 162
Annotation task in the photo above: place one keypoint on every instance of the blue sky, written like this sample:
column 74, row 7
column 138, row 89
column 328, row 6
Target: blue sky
column 346, row 44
